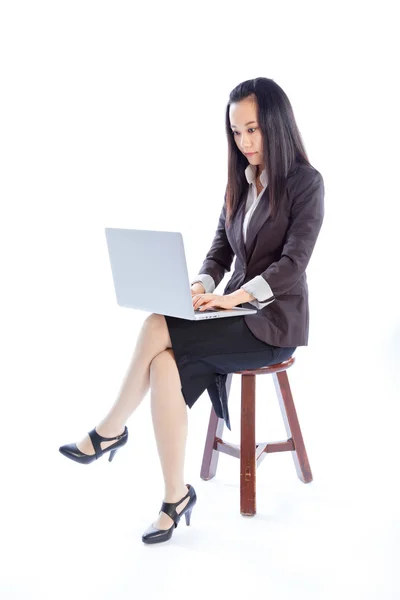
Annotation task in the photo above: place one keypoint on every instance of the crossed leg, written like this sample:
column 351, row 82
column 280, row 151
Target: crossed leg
column 153, row 363
column 152, row 340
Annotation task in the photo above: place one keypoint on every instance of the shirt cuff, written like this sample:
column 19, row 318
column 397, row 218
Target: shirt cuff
column 261, row 291
column 207, row 281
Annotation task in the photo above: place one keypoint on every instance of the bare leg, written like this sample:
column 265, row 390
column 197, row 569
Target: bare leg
column 169, row 413
column 153, row 339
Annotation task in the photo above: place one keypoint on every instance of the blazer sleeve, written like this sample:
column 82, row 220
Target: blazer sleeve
column 207, row 281
column 219, row 258
column 307, row 214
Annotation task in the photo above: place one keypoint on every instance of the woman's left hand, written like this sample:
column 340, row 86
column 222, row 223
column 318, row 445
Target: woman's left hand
column 204, row 301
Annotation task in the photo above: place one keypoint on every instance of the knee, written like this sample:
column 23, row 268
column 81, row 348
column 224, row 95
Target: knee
column 159, row 329
column 155, row 320
column 156, row 324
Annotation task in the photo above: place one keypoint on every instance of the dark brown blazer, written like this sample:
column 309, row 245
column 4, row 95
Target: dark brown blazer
column 279, row 250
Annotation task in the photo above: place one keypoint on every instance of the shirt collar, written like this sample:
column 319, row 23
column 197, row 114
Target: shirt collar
column 250, row 173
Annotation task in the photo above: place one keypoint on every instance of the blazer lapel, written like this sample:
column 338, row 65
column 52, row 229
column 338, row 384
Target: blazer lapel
column 259, row 217
column 237, row 226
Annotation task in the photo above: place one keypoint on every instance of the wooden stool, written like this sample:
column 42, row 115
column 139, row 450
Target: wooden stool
column 250, row 453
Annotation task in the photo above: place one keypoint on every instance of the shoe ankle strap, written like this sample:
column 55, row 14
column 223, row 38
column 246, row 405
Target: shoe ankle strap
column 96, row 440
column 169, row 508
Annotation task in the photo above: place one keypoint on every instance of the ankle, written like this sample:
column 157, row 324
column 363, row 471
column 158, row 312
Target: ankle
column 108, row 429
column 173, row 494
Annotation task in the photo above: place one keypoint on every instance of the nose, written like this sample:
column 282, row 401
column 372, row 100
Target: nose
column 245, row 143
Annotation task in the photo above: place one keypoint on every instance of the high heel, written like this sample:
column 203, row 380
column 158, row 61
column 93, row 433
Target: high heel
column 72, row 451
column 154, row 536
column 112, row 454
column 187, row 517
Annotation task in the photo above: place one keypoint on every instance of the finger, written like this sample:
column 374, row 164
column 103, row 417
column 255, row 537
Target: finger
column 198, row 301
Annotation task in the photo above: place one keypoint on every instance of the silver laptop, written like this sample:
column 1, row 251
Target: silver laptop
column 150, row 273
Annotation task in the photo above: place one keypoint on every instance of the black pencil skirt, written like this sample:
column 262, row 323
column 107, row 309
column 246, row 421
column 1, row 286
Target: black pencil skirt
column 207, row 351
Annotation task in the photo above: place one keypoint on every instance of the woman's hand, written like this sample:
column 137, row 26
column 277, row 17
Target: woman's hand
column 204, row 301
column 197, row 288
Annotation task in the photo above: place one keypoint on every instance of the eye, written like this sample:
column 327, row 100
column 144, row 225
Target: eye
column 235, row 132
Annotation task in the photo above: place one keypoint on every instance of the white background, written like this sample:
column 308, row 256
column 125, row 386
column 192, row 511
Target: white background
column 112, row 114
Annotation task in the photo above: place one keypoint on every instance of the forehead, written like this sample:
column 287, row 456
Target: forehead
column 242, row 112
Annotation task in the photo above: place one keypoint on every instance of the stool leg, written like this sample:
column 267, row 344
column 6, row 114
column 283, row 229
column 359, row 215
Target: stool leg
column 248, row 447
column 210, row 455
column 292, row 426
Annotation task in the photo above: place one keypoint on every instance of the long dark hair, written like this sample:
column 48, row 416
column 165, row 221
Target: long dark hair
column 282, row 142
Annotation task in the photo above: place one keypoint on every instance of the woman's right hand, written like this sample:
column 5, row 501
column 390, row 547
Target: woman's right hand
column 197, row 288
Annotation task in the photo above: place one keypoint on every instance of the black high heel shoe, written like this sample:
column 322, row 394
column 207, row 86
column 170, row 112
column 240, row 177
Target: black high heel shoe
column 72, row 451
column 154, row 536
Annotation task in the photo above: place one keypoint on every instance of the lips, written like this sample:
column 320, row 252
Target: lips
column 249, row 153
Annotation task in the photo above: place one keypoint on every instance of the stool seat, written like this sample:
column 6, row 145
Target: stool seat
column 250, row 453
column 282, row 366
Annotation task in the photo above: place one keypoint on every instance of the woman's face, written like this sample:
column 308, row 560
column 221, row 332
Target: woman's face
column 246, row 130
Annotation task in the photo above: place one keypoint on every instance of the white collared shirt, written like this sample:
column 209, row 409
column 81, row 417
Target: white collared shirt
column 252, row 197
column 257, row 286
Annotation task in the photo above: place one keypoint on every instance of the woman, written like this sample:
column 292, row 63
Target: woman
column 270, row 220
